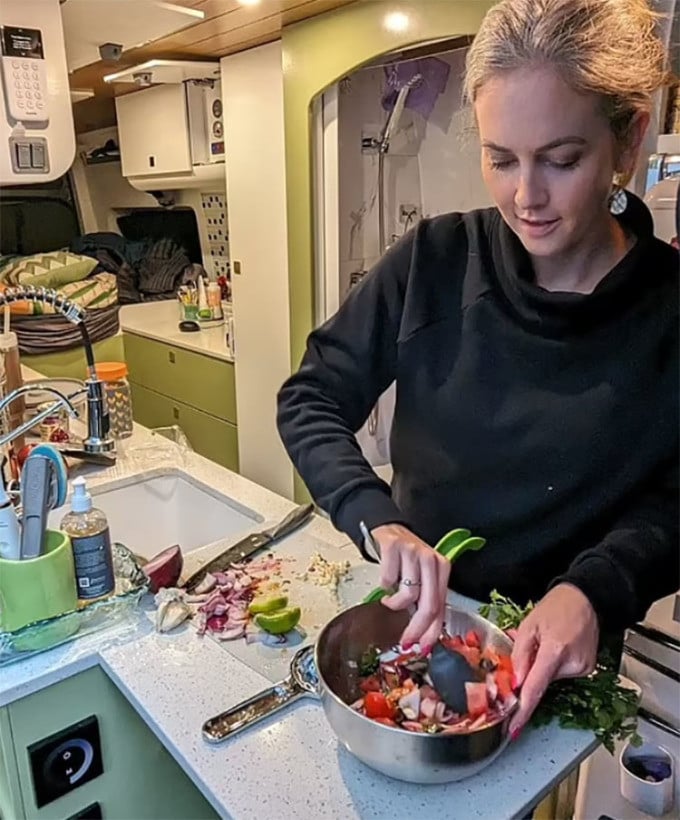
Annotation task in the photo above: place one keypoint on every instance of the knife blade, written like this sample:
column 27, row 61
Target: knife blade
column 251, row 544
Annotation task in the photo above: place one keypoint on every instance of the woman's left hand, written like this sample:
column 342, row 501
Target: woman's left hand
column 558, row 639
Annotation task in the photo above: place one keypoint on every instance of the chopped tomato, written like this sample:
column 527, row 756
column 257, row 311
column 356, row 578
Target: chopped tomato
column 370, row 684
column 505, row 663
column 453, row 641
column 385, row 721
column 471, row 654
column 476, row 699
column 504, row 683
column 377, row 706
column 489, row 654
column 472, row 639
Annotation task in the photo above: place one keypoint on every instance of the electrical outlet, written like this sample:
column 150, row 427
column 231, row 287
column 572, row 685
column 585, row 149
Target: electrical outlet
column 409, row 213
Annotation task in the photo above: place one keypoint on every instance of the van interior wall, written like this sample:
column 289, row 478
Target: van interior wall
column 103, row 192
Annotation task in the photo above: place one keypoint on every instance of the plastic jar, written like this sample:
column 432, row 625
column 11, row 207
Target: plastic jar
column 118, row 397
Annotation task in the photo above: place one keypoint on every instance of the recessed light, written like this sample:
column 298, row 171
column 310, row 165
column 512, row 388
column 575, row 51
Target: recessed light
column 396, row 21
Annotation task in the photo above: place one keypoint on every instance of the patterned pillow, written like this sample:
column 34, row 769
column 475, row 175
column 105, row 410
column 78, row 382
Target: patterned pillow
column 48, row 270
column 97, row 292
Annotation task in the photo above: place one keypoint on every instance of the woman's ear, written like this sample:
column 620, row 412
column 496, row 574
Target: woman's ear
column 629, row 146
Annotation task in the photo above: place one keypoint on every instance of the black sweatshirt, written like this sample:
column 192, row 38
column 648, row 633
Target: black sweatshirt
column 546, row 422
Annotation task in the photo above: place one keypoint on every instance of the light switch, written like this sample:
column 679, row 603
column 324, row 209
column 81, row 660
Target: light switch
column 65, row 760
column 23, row 154
column 37, row 155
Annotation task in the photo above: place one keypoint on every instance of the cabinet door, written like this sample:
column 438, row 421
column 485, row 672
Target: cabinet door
column 210, row 437
column 140, row 779
column 153, row 131
column 197, row 380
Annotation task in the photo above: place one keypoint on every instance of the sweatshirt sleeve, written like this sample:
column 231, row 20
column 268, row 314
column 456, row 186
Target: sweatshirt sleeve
column 638, row 561
column 349, row 362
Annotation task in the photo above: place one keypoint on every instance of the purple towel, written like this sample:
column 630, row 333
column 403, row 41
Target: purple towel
column 423, row 97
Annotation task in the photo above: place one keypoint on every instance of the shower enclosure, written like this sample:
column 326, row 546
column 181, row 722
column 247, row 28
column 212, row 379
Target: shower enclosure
column 392, row 144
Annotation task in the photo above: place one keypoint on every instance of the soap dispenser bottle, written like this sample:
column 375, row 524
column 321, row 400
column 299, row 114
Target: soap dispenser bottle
column 88, row 530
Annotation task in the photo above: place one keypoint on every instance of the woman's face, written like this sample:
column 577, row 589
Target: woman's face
column 548, row 158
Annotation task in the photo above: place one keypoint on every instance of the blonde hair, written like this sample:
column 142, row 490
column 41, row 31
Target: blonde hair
column 607, row 47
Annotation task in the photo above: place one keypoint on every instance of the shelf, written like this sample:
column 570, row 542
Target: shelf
column 158, row 72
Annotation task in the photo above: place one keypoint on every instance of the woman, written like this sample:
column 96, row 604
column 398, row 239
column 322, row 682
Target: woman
column 535, row 351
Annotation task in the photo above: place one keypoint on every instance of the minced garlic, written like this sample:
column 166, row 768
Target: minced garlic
column 325, row 573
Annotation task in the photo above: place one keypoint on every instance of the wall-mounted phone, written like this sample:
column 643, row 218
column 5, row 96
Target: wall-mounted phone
column 37, row 137
column 24, row 76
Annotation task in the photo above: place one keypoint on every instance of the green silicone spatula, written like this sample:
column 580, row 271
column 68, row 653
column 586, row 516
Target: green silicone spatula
column 451, row 546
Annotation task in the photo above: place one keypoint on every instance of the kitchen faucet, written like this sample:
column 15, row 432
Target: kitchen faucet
column 99, row 445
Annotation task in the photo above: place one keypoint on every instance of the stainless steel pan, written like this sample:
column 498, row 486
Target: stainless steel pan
column 329, row 672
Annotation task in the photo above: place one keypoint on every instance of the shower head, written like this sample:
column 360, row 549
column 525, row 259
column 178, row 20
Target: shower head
column 396, row 112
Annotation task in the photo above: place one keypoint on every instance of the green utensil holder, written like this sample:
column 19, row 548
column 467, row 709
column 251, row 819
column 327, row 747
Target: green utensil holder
column 38, row 588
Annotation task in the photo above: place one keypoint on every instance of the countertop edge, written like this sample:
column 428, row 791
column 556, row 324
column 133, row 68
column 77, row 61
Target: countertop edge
column 159, row 322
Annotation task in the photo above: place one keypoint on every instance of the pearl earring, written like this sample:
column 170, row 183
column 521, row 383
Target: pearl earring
column 618, row 201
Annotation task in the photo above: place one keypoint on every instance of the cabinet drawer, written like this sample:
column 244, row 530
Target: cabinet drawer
column 199, row 381
column 210, row 437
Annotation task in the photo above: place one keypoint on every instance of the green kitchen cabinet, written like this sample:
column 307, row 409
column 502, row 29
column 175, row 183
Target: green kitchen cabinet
column 171, row 385
column 139, row 780
column 211, row 437
column 71, row 363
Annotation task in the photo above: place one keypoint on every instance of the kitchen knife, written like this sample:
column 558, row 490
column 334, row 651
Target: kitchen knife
column 251, row 544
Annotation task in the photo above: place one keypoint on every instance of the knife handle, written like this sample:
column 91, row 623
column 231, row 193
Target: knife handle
column 295, row 518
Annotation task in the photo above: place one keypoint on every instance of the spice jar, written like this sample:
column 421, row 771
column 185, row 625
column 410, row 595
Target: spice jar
column 118, row 398
column 53, row 428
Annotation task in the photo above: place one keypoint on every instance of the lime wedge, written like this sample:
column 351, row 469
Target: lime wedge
column 278, row 623
column 264, row 605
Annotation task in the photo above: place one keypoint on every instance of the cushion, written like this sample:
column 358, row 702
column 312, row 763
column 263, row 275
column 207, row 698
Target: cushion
column 48, row 270
column 97, row 292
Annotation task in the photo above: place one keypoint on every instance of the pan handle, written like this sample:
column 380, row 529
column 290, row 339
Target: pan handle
column 252, row 711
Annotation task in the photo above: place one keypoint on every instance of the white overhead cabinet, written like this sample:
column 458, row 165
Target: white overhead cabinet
column 153, row 131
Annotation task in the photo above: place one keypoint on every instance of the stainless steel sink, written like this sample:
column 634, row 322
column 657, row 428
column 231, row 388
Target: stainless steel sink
column 150, row 513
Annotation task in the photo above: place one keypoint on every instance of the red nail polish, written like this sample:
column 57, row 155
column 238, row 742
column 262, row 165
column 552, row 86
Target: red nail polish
column 406, row 646
column 426, row 650
column 514, row 735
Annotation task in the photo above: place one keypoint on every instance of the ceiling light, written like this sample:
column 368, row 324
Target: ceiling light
column 396, row 21
column 249, row 2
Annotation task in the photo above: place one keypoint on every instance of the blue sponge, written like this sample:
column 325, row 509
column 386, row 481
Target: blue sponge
column 60, row 490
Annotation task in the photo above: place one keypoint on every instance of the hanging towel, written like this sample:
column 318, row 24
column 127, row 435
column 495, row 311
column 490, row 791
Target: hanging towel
column 422, row 97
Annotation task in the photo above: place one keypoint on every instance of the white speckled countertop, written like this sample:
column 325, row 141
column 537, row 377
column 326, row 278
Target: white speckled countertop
column 160, row 321
column 293, row 762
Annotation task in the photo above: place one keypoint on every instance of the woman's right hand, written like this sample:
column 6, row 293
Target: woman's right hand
column 404, row 557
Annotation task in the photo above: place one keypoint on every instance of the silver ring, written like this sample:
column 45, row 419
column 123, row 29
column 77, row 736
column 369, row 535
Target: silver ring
column 408, row 582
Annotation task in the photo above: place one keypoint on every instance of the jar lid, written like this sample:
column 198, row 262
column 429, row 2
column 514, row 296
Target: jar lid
column 111, row 371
